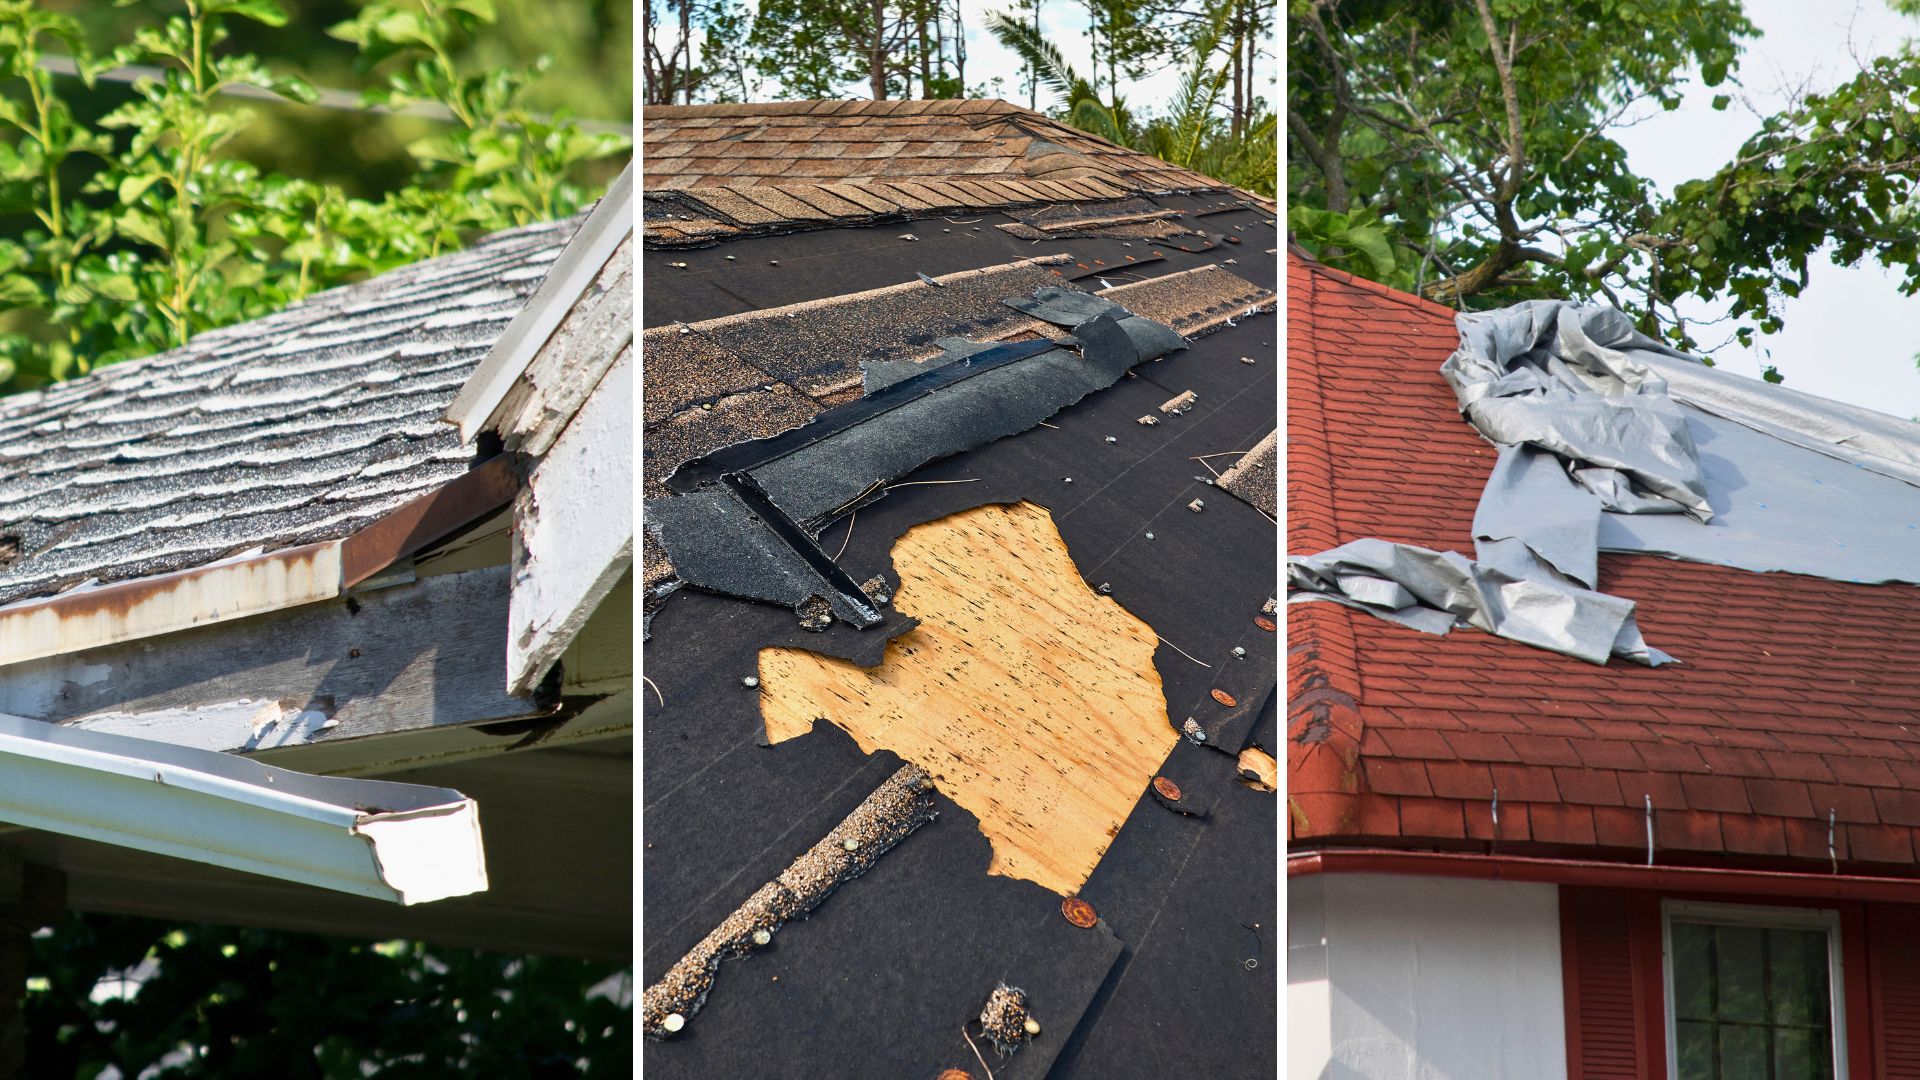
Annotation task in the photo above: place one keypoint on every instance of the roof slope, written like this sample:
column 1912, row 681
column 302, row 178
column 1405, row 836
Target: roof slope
column 790, row 320
column 1795, row 701
column 716, row 170
column 292, row 429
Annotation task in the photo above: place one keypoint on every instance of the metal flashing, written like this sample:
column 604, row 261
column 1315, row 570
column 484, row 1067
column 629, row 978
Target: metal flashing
column 252, row 583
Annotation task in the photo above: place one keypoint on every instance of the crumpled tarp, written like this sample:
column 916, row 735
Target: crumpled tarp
column 1571, row 379
column 1610, row 441
column 1507, row 592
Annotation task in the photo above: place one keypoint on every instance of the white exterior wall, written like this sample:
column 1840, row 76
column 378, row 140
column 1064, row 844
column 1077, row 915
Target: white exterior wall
column 1418, row 978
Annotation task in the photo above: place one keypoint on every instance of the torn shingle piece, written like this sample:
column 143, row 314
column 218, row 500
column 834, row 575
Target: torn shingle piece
column 816, row 482
column 698, row 431
column 687, row 369
column 901, row 804
column 1193, row 302
column 731, row 541
column 819, row 345
column 1179, row 403
column 1253, row 479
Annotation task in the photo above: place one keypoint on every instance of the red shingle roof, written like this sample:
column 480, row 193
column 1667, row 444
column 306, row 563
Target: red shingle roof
column 1797, row 696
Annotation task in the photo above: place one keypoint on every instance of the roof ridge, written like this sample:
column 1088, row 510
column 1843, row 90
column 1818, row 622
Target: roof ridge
column 1418, row 303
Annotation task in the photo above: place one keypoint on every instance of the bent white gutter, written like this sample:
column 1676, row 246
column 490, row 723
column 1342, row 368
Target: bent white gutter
column 404, row 843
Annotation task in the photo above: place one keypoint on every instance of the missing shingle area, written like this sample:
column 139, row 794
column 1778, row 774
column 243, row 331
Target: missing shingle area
column 1032, row 700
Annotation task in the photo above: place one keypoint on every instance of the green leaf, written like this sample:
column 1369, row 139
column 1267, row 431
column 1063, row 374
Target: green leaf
column 261, row 11
column 133, row 187
column 20, row 290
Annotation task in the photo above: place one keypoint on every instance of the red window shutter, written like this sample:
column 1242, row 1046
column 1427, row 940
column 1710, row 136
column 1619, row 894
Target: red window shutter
column 1893, row 976
column 1610, row 963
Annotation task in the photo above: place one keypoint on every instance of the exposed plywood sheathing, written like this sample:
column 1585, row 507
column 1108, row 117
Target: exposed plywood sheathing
column 1033, row 701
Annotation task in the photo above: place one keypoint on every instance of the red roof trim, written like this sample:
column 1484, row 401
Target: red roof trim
column 1687, row 879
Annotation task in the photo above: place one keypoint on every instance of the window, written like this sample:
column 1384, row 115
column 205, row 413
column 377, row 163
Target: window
column 1753, row 993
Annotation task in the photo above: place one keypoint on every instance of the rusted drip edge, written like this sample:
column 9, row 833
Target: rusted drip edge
column 461, row 501
column 1699, row 879
column 231, row 589
column 144, row 607
column 901, row 804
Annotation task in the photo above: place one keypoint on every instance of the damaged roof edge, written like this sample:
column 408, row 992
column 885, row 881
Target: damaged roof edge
column 402, row 843
column 580, row 262
column 234, row 588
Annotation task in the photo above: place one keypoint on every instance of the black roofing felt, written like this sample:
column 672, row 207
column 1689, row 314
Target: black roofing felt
column 838, row 261
column 880, row 979
column 291, row 429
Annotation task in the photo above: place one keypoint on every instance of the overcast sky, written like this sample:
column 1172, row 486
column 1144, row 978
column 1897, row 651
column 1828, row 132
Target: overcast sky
column 1850, row 335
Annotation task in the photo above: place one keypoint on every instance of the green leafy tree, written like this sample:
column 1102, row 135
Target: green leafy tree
column 1465, row 148
column 216, row 1001
column 132, row 233
column 1191, row 133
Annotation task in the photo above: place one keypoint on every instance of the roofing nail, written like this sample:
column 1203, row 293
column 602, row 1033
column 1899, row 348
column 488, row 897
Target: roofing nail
column 1104, row 589
column 762, row 937
column 674, row 1022
column 750, row 682
column 1167, row 788
column 773, row 262
column 1239, row 653
column 730, row 258
column 1078, row 912
column 1069, row 480
column 1112, row 439
column 1192, row 730
column 1149, row 536
column 1224, row 698
column 1246, row 359
column 1264, row 623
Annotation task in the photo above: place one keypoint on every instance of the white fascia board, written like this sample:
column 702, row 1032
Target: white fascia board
column 571, row 275
column 404, row 843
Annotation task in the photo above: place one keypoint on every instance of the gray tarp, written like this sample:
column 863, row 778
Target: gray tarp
column 1436, row 590
column 1610, row 441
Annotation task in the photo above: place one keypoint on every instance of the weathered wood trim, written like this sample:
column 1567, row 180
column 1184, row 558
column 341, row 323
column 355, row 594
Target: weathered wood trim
column 573, row 528
column 407, row 658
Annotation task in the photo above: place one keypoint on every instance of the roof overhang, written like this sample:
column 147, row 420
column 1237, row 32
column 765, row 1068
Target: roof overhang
column 1594, row 872
column 252, row 584
column 402, row 843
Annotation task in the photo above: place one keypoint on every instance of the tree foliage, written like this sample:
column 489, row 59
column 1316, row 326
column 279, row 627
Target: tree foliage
column 215, row 1001
column 1466, row 148
column 137, row 231
column 1190, row 132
